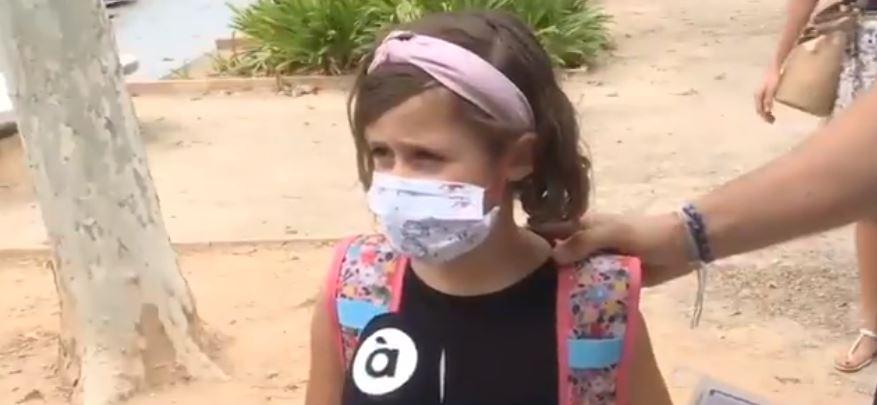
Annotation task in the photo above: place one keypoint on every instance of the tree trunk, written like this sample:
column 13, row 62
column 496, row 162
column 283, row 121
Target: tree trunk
column 128, row 319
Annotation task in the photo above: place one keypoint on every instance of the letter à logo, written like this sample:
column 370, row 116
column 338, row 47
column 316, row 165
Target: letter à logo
column 385, row 361
column 382, row 362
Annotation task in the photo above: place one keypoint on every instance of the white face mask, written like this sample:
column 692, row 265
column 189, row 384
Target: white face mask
column 430, row 220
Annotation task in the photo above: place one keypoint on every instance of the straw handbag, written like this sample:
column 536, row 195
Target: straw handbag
column 811, row 73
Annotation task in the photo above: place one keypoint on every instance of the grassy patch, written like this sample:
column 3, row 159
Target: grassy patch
column 332, row 36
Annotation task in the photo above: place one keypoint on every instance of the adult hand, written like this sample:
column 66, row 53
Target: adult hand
column 765, row 94
column 659, row 241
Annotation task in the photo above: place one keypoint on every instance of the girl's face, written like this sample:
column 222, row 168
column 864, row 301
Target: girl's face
column 425, row 138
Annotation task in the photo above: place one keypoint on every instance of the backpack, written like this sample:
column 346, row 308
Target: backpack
column 594, row 300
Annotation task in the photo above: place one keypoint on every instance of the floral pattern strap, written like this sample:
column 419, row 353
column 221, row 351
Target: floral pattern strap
column 367, row 272
column 601, row 299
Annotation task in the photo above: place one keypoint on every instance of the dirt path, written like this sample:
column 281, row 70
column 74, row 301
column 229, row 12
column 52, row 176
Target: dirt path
column 668, row 117
column 258, row 299
column 228, row 168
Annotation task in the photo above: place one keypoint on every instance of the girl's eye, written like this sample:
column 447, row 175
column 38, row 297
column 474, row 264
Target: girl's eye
column 380, row 152
column 382, row 157
column 425, row 155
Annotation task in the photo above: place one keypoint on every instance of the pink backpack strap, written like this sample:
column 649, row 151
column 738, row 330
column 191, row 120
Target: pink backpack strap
column 595, row 345
column 365, row 281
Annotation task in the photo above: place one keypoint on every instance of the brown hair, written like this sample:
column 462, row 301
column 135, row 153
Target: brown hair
column 557, row 190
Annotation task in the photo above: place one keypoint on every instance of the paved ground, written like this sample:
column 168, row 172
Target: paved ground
column 165, row 34
column 161, row 34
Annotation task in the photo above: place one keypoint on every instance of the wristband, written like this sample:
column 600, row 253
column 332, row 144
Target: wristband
column 696, row 227
column 699, row 253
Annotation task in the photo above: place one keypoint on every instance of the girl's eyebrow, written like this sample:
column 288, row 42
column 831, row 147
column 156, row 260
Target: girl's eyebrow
column 400, row 141
column 374, row 143
column 410, row 145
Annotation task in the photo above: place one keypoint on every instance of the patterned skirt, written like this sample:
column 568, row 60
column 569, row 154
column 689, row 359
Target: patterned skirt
column 860, row 64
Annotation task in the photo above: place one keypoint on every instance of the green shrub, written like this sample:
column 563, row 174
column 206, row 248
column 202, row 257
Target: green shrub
column 332, row 36
column 328, row 36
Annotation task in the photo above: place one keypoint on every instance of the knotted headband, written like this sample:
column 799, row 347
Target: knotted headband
column 461, row 71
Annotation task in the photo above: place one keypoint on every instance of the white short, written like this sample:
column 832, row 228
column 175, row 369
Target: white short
column 860, row 64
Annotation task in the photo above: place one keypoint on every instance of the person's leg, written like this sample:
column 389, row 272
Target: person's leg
column 859, row 74
column 866, row 249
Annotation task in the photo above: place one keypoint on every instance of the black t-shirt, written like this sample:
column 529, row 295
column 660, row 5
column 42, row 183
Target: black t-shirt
column 498, row 348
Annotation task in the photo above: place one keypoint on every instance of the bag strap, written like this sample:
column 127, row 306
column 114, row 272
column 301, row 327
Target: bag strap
column 365, row 280
column 831, row 10
column 590, row 349
column 331, row 290
column 840, row 16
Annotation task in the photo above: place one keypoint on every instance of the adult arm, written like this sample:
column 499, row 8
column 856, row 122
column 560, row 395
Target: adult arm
column 828, row 181
column 797, row 15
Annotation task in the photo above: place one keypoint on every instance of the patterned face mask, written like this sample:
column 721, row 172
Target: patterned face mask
column 430, row 220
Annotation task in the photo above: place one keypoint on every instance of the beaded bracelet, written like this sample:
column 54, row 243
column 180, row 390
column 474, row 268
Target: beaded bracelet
column 696, row 227
column 699, row 252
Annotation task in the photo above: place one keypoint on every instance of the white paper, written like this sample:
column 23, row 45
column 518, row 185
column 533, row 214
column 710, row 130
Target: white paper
column 711, row 392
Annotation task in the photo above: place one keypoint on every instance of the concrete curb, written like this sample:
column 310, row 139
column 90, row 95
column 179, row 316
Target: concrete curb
column 200, row 86
column 235, row 43
column 274, row 84
column 8, row 119
column 196, row 247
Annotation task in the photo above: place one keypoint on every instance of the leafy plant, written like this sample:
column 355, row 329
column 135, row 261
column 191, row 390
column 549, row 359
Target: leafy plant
column 183, row 72
column 332, row 36
column 573, row 32
column 326, row 36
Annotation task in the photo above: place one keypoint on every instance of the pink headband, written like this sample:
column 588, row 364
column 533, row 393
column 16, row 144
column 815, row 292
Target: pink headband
column 461, row 71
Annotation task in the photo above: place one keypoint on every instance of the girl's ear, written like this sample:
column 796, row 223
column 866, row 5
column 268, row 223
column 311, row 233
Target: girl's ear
column 520, row 157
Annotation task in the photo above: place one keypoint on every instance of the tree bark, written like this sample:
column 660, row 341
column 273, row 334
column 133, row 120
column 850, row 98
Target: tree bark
column 128, row 319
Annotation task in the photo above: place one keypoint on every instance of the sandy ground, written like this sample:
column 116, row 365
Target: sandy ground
column 258, row 298
column 231, row 168
column 667, row 117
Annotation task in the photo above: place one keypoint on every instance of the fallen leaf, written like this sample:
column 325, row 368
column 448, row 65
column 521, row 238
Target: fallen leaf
column 33, row 395
column 307, row 303
column 787, row 380
column 689, row 92
column 302, row 90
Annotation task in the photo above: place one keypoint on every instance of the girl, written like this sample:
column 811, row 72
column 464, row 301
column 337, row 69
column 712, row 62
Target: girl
column 857, row 76
column 455, row 117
